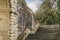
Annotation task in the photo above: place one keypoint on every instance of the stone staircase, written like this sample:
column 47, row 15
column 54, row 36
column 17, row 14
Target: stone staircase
column 41, row 34
column 27, row 31
column 21, row 20
column 44, row 34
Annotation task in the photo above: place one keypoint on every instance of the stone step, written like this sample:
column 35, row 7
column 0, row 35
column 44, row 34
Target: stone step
column 43, row 34
column 44, row 30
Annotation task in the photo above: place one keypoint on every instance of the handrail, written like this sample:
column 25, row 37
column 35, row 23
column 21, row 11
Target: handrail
column 23, row 35
column 26, row 32
column 34, row 29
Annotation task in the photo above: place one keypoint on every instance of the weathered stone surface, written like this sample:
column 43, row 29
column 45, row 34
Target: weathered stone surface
column 45, row 33
column 4, row 20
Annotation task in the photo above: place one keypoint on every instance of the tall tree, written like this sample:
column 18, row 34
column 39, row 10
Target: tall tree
column 45, row 14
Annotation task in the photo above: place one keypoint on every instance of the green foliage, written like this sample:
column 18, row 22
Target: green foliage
column 52, row 19
column 58, row 5
column 48, row 15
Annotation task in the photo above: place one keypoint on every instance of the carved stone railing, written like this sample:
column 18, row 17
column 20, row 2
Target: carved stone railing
column 13, row 25
column 27, row 25
column 25, row 33
column 21, row 20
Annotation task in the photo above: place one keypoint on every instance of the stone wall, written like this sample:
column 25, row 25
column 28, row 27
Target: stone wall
column 4, row 19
